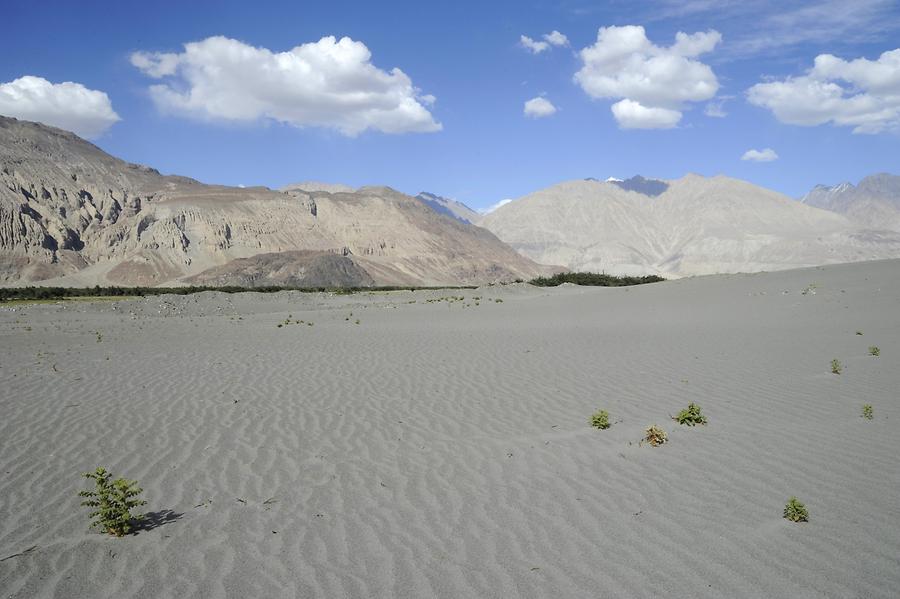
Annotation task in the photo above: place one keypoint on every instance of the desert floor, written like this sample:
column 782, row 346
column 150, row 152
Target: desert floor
column 405, row 445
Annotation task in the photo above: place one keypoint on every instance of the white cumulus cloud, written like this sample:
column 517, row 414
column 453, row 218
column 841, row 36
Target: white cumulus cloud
column 539, row 107
column 654, row 83
column 330, row 83
column 863, row 94
column 767, row 155
column 67, row 105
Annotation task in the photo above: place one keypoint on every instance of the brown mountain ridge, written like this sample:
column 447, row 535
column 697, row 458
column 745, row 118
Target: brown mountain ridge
column 71, row 214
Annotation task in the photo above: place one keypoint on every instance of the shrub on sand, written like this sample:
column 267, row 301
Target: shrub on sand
column 112, row 501
column 691, row 415
column 655, row 436
column 796, row 511
column 600, row 420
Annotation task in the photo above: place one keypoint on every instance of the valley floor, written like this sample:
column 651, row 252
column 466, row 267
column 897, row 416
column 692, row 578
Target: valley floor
column 405, row 445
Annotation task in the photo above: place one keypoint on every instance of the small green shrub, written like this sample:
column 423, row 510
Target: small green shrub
column 600, row 420
column 691, row 415
column 836, row 367
column 867, row 412
column 859, row 333
column 796, row 511
column 655, row 436
column 874, row 351
column 113, row 501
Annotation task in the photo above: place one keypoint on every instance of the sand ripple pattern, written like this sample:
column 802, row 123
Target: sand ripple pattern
column 442, row 450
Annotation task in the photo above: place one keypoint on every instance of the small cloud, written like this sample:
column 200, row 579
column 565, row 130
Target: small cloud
column 66, row 105
column 538, row 108
column 634, row 115
column 499, row 204
column 767, row 155
column 555, row 38
column 533, row 46
column 716, row 108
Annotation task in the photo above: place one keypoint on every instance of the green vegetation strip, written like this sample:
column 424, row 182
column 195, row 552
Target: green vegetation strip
column 56, row 293
column 593, row 279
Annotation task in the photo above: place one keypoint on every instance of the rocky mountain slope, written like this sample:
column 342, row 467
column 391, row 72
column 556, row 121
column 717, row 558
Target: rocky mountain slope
column 71, row 214
column 692, row 226
column 874, row 203
column 450, row 207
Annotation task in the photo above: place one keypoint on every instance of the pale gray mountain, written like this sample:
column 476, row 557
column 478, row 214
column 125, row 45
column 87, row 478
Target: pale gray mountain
column 71, row 214
column 450, row 207
column 318, row 186
column 874, row 203
column 696, row 226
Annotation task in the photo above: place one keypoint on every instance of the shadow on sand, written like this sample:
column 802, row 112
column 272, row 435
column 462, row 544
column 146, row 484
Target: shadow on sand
column 155, row 520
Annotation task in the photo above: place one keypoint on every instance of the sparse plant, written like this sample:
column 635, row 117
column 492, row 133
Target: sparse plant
column 655, row 436
column 867, row 412
column 600, row 420
column 112, row 501
column 874, row 351
column 836, row 367
column 859, row 333
column 795, row 511
column 691, row 415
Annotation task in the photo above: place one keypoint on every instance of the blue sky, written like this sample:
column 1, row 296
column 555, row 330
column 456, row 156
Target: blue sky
column 453, row 121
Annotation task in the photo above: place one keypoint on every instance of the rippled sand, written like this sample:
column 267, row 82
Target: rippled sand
column 443, row 448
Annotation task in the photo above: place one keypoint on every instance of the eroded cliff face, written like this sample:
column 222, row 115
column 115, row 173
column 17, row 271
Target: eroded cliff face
column 71, row 214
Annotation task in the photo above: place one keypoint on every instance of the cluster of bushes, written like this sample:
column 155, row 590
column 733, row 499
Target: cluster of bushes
column 593, row 279
column 654, row 435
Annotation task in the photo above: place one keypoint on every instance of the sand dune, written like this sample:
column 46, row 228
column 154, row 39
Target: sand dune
column 441, row 449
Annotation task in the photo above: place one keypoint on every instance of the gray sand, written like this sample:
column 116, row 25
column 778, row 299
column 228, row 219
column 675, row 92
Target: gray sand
column 443, row 449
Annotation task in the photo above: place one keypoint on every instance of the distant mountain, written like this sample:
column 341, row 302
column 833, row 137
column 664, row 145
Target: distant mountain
column 442, row 205
column 318, row 186
column 638, row 184
column 874, row 203
column 695, row 226
column 70, row 214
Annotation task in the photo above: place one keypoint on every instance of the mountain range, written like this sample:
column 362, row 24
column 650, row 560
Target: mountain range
column 690, row 226
column 873, row 203
column 70, row 214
